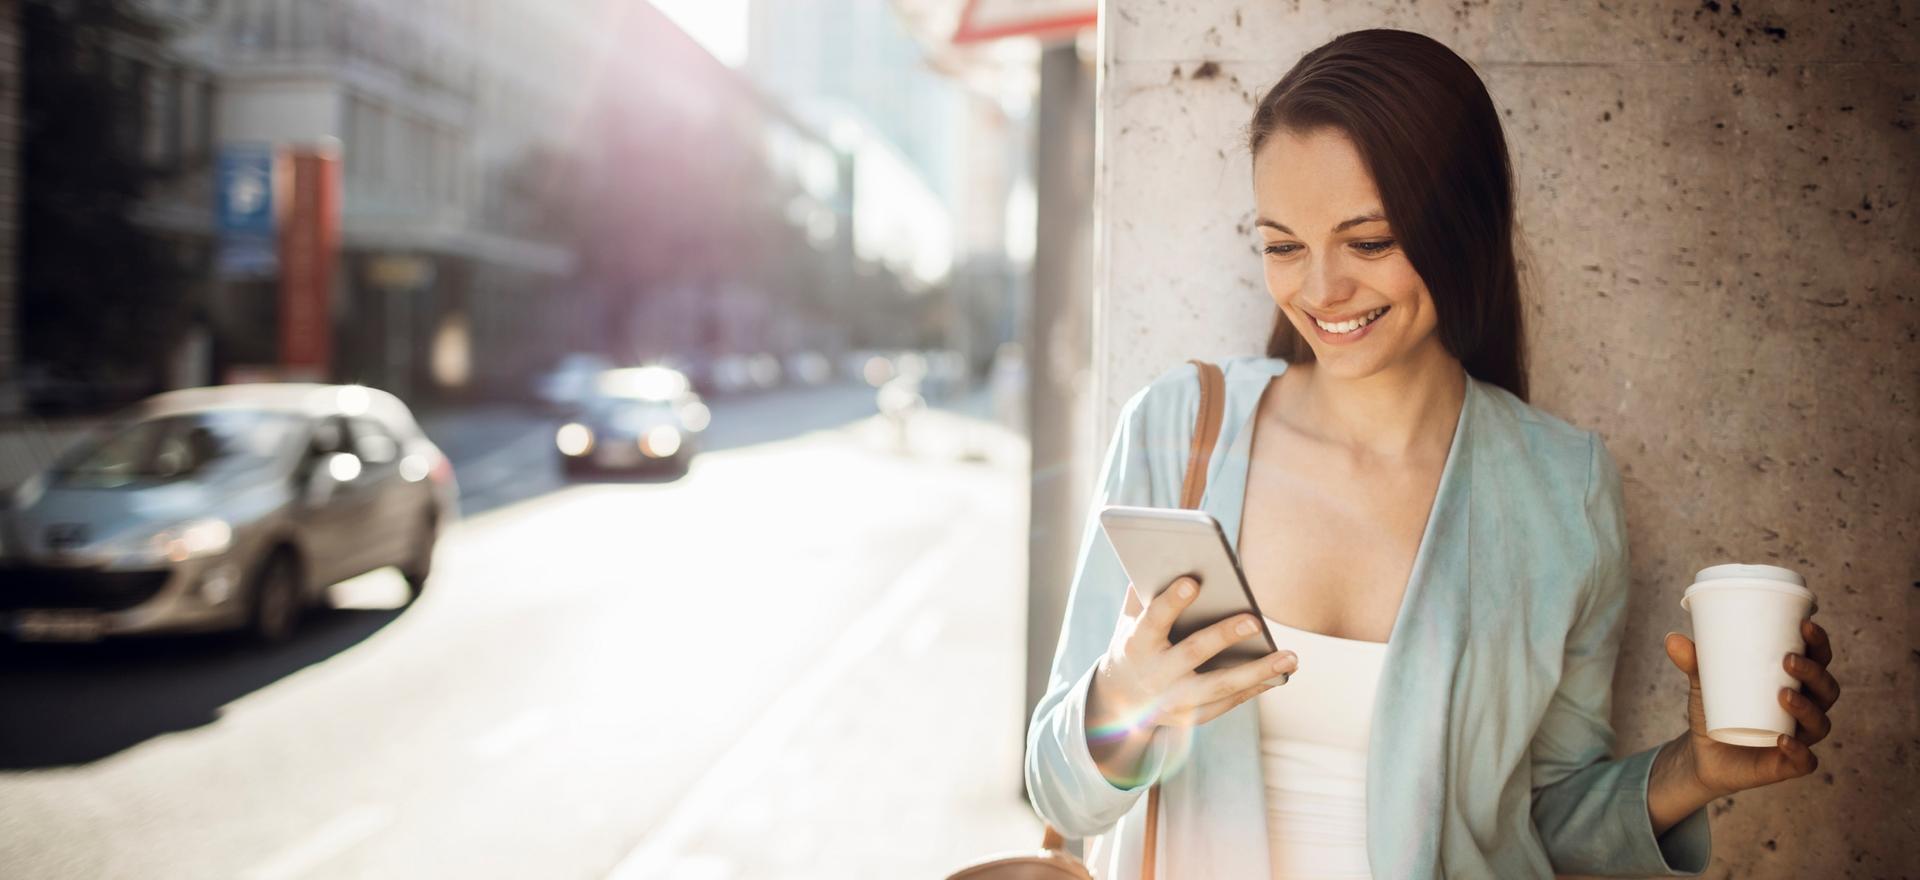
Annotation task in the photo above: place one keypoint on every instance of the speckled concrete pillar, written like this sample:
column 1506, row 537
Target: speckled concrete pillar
column 1717, row 203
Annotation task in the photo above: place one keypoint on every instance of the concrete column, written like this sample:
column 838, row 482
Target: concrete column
column 1718, row 205
column 1057, row 341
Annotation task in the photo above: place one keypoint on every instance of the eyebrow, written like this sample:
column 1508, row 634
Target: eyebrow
column 1344, row 224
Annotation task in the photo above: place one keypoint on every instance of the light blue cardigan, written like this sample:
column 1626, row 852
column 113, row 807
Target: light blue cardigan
column 1489, row 754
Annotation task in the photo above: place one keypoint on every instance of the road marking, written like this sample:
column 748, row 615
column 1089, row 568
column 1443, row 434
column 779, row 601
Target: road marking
column 509, row 737
column 658, row 854
column 330, row 840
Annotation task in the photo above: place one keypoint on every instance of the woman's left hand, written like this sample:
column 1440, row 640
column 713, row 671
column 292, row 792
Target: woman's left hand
column 1724, row 769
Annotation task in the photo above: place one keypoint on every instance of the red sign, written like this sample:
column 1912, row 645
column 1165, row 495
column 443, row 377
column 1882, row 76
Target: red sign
column 984, row 20
column 309, row 252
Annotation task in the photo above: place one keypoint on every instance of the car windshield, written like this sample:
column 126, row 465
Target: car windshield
column 631, row 413
column 641, row 383
column 176, row 447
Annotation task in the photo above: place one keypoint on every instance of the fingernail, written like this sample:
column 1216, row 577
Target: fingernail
column 1245, row 628
column 1186, row 588
column 1281, row 662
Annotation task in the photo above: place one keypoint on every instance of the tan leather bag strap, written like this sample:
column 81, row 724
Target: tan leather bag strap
column 1206, row 432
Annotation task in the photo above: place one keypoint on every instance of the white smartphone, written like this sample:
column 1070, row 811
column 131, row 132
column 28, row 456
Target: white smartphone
column 1156, row 545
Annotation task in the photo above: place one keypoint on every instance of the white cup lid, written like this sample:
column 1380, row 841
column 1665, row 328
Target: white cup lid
column 1789, row 580
column 1757, row 572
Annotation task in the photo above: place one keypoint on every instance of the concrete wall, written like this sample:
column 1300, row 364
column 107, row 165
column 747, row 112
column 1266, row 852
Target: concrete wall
column 1717, row 198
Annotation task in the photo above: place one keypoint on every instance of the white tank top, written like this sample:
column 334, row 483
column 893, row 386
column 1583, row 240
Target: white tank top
column 1313, row 753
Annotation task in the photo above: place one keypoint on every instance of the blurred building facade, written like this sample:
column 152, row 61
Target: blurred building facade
column 444, row 114
column 519, row 179
column 942, row 145
column 10, row 75
column 113, row 134
column 721, row 225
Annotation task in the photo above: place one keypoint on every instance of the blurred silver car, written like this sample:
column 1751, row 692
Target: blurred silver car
column 637, row 417
column 221, row 508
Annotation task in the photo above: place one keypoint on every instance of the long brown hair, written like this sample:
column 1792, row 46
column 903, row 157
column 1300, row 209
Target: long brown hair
column 1428, row 131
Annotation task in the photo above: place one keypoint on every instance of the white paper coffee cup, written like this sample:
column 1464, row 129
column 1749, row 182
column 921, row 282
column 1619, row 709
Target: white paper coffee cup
column 1746, row 619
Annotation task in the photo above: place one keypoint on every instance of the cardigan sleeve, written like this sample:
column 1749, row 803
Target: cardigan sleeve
column 1067, row 788
column 1591, row 811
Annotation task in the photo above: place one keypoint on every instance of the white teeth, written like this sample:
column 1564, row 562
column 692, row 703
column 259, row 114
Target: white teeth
column 1350, row 326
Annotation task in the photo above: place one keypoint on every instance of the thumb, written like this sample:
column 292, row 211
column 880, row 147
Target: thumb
column 1680, row 651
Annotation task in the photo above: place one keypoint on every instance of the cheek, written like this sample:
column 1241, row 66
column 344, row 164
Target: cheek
column 1398, row 276
column 1283, row 280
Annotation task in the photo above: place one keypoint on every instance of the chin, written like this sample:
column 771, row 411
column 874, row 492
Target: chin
column 1341, row 366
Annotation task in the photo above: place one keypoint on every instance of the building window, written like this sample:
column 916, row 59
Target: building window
column 193, row 117
column 159, row 126
column 373, row 146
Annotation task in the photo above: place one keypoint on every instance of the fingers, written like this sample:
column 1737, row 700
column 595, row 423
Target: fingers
column 1821, row 685
column 1814, row 723
column 1796, row 759
column 1819, row 648
column 1680, row 651
column 1200, row 646
column 1157, row 622
column 1207, row 687
column 1209, row 711
column 1201, row 697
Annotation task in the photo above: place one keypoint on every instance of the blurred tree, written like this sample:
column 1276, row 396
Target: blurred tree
column 101, row 303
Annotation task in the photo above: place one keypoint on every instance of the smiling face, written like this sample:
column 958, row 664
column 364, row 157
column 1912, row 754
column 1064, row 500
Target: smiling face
column 1329, row 253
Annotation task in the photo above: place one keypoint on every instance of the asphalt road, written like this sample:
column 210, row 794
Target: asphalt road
column 738, row 673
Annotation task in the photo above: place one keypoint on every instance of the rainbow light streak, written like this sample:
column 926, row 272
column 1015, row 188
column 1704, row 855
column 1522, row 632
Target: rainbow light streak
column 1119, row 728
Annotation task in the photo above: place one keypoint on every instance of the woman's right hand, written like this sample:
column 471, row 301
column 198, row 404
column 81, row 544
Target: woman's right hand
column 1144, row 681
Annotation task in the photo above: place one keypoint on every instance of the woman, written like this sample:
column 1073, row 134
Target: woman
column 1443, row 566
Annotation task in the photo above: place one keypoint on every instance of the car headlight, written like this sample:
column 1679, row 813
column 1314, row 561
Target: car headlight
column 661, row 442
column 695, row 416
column 189, row 540
column 573, row 438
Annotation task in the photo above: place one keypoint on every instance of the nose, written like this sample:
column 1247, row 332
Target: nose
column 1326, row 285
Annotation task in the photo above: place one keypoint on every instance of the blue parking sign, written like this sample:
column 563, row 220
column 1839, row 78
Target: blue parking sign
column 244, row 211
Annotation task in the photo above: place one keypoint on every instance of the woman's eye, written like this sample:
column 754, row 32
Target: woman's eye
column 1280, row 249
column 1374, row 247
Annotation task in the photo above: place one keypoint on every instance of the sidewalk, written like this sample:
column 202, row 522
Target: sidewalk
column 899, row 754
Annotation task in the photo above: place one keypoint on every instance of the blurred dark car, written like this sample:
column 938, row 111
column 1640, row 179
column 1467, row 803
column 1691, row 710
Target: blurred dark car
column 636, row 418
column 231, row 507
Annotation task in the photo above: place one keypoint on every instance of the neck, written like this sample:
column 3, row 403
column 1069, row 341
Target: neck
column 1408, row 409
